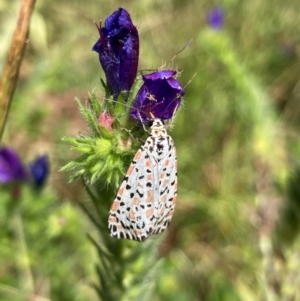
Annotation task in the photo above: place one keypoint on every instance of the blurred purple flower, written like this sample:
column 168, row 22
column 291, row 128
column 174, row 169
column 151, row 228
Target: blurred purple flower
column 11, row 166
column 215, row 18
column 118, row 48
column 39, row 169
column 160, row 96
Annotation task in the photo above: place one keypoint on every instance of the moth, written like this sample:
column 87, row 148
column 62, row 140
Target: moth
column 146, row 199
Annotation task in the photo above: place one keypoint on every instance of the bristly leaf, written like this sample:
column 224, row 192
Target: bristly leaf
column 79, row 141
column 95, row 104
column 89, row 117
column 72, row 165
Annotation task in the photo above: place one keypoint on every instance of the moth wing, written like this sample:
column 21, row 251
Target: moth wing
column 167, row 189
column 132, row 213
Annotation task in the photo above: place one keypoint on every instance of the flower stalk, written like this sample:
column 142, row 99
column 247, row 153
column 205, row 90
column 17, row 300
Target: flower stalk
column 116, row 128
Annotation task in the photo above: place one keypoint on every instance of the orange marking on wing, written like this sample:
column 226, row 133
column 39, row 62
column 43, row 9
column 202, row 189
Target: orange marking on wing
column 170, row 213
column 120, row 192
column 149, row 177
column 130, row 170
column 148, row 163
column 162, row 175
column 164, row 198
column 165, row 183
column 112, row 219
column 149, row 196
column 137, row 155
column 135, row 201
column 115, row 205
column 131, row 215
column 174, row 200
column 137, row 232
column 149, row 212
column 167, row 162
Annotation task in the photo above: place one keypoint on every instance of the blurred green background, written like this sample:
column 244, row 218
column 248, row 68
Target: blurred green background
column 234, row 235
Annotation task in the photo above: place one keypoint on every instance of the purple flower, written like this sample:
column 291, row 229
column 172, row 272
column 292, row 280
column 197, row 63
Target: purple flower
column 11, row 166
column 39, row 169
column 215, row 18
column 118, row 48
column 159, row 97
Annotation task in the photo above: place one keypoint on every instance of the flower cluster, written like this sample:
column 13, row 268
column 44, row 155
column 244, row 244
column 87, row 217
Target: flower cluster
column 13, row 171
column 118, row 47
column 130, row 101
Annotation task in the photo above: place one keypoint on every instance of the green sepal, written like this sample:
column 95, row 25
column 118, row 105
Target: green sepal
column 103, row 147
column 120, row 104
column 104, row 132
column 132, row 94
column 106, row 89
column 120, row 108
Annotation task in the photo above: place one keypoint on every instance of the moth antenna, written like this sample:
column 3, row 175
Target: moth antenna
column 177, row 53
column 190, row 80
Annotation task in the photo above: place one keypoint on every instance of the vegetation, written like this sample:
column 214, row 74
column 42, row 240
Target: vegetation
column 235, row 232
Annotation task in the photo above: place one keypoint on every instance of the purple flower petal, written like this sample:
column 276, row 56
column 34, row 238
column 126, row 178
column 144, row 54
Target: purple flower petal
column 118, row 48
column 11, row 166
column 159, row 97
column 39, row 169
column 215, row 18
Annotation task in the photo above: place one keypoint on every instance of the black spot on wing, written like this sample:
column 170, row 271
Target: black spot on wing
column 140, row 194
column 163, row 191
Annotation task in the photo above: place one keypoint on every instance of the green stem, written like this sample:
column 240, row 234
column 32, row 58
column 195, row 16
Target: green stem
column 22, row 258
column 12, row 293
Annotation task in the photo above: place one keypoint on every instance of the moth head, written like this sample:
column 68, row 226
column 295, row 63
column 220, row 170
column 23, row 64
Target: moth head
column 157, row 124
